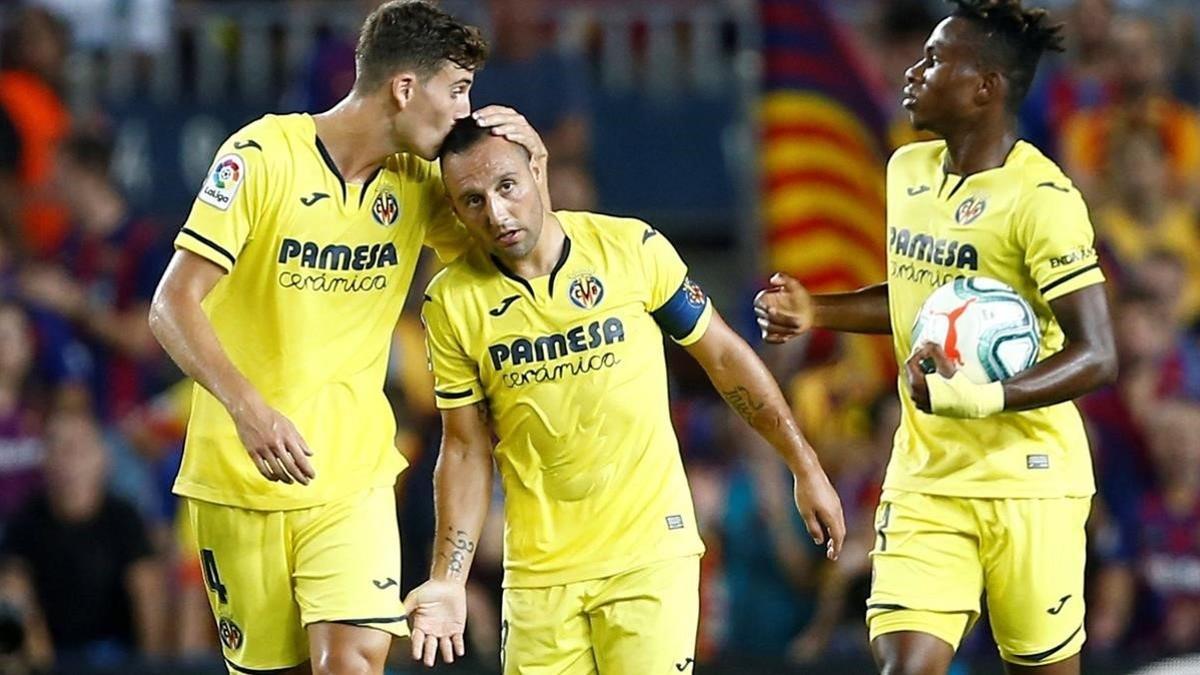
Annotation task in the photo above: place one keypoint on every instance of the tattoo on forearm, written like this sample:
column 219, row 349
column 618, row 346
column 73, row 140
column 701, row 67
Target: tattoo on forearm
column 461, row 551
column 740, row 399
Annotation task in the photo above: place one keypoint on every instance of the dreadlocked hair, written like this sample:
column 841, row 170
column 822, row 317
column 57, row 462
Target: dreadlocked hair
column 1014, row 39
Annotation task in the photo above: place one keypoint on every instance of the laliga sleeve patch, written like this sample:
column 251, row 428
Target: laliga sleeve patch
column 221, row 186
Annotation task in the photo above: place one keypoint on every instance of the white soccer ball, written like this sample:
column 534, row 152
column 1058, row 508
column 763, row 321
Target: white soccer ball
column 984, row 326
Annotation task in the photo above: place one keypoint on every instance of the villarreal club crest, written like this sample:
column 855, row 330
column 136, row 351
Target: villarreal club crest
column 586, row 291
column 385, row 209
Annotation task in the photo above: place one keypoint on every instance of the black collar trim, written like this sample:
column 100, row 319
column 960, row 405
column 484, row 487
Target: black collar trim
column 370, row 179
column 332, row 167
column 562, row 260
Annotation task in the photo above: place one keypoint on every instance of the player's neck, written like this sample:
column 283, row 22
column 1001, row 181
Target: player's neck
column 979, row 147
column 546, row 253
column 356, row 137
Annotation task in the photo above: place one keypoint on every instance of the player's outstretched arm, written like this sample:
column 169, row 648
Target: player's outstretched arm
column 462, row 491
column 184, row 331
column 1086, row 363
column 743, row 380
column 786, row 309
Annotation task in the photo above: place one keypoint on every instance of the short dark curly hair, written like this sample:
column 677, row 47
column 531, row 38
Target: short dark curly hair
column 1014, row 39
column 466, row 134
column 414, row 34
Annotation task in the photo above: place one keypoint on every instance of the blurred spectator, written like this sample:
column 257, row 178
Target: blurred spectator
column 79, row 548
column 770, row 562
column 1118, row 415
column 20, row 448
column 1140, row 217
column 839, row 622
column 142, row 26
column 34, row 48
column 155, row 431
column 1078, row 80
column 550, row 89
column 112, row 260
column 329, row 71
column 1141, row 102
column 1151, row 587
column 900, row 34
column 1183, row 45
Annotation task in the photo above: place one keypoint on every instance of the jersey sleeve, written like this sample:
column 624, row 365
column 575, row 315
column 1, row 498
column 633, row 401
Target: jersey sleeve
column 455, row 376
column 678, row 304
column 230, row 203
column 1057, row 238
column 444, row 233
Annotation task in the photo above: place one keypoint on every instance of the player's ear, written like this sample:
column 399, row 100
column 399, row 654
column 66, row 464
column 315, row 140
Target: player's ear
column 991, row 86
column 536, row 170
column 404, row 87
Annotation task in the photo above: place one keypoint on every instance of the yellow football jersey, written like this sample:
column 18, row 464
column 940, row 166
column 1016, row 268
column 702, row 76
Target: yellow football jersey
column 318, row 269
column 1025, row 224
column 571, row 365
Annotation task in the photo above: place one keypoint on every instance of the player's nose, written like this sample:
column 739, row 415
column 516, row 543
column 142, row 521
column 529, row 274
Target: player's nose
column 912, row 74
column 496, row 214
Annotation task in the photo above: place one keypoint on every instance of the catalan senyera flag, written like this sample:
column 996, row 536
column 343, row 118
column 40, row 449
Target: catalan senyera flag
column 823, row 160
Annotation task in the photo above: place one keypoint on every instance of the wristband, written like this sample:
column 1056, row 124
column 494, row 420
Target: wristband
column 960, row 397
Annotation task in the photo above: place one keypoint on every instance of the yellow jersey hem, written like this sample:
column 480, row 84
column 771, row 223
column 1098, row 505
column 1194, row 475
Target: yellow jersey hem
column 991, row 491
column 205, row 493
column 522, row 579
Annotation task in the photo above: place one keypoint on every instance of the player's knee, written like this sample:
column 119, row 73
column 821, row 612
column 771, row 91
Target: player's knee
column 347, row 661
column 911, row 654
column 914, row 665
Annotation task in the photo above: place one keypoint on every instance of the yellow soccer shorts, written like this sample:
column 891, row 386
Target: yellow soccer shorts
column 640, row 621
column 269, row 574
column 935, row 556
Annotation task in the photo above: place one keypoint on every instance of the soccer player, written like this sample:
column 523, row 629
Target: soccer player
column 989, row 485
column 549, row 334
column 280, row 301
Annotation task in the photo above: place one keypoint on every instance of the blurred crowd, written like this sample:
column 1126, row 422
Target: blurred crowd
column 96, row 568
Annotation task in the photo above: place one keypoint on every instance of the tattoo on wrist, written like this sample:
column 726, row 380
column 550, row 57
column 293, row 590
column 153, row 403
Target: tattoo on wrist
column 740, row 399
column 461, row 551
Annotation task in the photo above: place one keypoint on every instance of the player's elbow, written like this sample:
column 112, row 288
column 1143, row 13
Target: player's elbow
column 1103, row 366
column 1106, row 367
column 159, row 315
column 457, row 452
column 155, row 319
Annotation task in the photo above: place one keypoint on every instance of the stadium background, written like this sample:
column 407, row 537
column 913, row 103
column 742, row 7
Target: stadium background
column 752, row 132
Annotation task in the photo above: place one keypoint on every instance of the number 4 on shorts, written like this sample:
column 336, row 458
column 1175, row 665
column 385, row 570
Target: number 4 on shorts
column 208, row 563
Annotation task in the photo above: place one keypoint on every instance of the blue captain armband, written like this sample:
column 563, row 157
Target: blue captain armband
column 686, row 314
